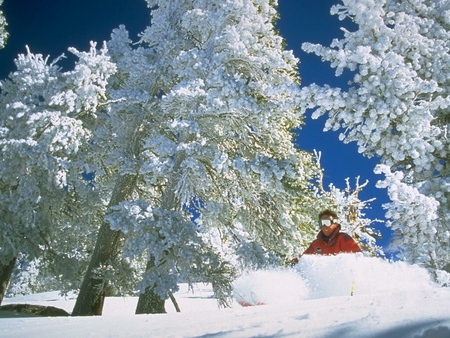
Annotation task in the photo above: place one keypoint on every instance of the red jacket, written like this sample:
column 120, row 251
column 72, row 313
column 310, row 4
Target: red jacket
column 338, row 242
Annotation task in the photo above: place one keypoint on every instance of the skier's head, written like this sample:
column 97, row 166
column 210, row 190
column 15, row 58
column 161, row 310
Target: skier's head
column 328, row 221
column 328, row 212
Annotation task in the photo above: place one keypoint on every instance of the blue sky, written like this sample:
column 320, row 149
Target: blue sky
column 49, row 27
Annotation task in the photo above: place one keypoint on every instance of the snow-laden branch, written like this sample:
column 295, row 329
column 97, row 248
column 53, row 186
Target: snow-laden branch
column 396, row 108
column 3, row 33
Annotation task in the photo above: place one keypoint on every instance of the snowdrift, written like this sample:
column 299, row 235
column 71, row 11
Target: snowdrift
column 331, row 276
column 310, row 300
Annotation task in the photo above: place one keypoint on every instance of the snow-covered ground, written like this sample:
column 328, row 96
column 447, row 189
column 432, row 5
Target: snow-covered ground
column 312, row 299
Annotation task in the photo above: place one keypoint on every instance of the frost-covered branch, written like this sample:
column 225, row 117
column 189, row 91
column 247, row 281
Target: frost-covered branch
column 351, row 211
column 42, row 141
column 211, row 100
column 418, row 217
column 396, row 106
column 3, row 33
column 396, row 57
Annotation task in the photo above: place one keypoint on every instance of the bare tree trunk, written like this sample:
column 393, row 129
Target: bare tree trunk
column 174, row 302
column 91, row 297
column 5, row 276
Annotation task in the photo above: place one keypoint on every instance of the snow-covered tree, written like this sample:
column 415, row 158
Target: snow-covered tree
column 46, row 119
column 351, row 211
column 397, row 108
column 418, row 214
column 200, row 139
column 3, row 33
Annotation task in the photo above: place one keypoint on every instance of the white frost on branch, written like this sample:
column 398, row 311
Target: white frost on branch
column 418, row 219
column 396, row 106
column 46, row 121
column 211, row 98
column 399, row 89
column 352, row 212
column 3, row 33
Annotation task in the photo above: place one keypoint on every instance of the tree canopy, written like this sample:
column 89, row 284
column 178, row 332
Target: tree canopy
column 396, row 107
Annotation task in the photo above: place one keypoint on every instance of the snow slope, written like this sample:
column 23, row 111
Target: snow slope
column 390, row 299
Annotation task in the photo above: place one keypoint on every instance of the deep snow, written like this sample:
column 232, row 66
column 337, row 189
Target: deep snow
column 312, row 299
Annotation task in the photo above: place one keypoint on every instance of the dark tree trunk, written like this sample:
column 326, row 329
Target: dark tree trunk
column 91, row 297
column 90, row 300
column 149, row 302
column 5, row 276
column 98, row 305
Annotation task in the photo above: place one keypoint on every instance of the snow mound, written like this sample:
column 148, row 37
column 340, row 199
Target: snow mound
column 270, row 286
column 331, row 276
column 328, row 276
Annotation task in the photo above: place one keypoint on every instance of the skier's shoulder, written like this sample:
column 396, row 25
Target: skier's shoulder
column 348, row 244
column 345, row 237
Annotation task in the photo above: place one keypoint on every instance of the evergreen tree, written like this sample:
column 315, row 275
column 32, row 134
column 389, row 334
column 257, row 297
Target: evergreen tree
column 44, row 124
column 397, row 108
column 200, row 142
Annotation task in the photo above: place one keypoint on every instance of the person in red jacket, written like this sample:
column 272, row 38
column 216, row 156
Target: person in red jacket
column 330, row 241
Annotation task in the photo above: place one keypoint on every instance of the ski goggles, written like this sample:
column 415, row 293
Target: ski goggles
column 326, row 222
